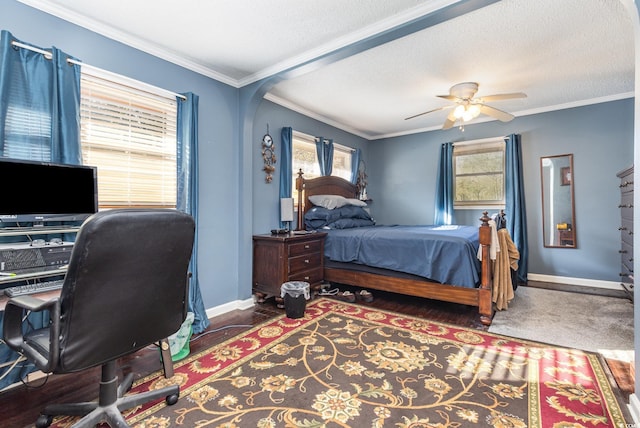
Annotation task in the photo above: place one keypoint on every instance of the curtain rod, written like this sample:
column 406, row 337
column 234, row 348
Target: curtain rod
column 47, row 55
column 482, row 140
column 311, row 138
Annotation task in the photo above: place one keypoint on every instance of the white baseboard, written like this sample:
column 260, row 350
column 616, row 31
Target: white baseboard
column 611, row 285
column 634, row 408
column 231, row 306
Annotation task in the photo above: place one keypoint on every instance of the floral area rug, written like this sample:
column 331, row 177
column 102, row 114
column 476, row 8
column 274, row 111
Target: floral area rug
column 345, row 365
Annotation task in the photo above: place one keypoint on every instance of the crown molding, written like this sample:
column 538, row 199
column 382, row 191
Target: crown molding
column 288, row 64
column 348, row 39
column 581, row 103
column 128, row 39
column 313, row 115
column 372, row 137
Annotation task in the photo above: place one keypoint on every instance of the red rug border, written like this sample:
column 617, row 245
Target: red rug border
column 604, row 382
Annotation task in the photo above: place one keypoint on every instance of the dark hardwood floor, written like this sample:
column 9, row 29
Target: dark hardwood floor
column 20, row 405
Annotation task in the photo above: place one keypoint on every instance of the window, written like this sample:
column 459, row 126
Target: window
column 130, row 135
column 478, row 170
column 305, row 158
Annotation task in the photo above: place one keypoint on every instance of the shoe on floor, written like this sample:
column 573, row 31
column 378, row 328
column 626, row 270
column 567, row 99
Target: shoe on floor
column 346, row 296
column 365, row 296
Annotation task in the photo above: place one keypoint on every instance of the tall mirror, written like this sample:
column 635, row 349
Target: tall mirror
column 558, row 214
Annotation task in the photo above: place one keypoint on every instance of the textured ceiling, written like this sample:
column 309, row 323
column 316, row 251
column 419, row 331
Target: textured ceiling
column 560, row 53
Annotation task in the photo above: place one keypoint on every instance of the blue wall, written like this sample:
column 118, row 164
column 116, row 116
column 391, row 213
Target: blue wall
column 404, row 169
column 235, row 202
column 266, row 195
column 218, row 134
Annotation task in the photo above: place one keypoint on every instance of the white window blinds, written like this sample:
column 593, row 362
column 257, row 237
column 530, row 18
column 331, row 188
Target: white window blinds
column 130, row 135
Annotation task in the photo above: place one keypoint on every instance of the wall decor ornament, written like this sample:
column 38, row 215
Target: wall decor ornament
column 268, row 156
column 361, row 182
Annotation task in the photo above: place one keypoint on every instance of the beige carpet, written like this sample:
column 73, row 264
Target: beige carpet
column 583, row 321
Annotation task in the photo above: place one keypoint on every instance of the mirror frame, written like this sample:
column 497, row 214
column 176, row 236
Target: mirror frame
column 565, row 178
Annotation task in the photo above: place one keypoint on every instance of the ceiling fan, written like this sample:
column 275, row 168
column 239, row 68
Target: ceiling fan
column 467, row 107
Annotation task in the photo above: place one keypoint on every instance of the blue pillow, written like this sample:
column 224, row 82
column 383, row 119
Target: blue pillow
column 320, row 213
column 349, row 223
column 318, row 217
column 314, row 224
column 352, row 211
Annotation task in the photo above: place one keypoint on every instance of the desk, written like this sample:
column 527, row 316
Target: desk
column 44, row 296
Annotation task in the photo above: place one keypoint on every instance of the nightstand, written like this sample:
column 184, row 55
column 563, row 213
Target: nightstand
column 566, row 237
column 289, row 257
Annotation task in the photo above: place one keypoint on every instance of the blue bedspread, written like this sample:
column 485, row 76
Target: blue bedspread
column 446, row 254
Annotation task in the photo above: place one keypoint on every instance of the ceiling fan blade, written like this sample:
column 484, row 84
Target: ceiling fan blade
column 449, row 97
column 427, row 112
column 494, row 112
column 499, row 97
column 451, row 120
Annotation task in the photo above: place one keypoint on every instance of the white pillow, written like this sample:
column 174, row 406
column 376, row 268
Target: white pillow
column 356, row 202
column 328, row 201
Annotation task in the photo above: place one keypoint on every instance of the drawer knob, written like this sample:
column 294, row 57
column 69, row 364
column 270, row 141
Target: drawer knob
column 625, row 206
column 306, row 261
column 306, row 246
column 623, row 251
column 307, row 278
column 622, row 228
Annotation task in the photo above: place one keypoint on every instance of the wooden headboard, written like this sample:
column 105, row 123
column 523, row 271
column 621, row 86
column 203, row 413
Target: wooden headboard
column 326, row 185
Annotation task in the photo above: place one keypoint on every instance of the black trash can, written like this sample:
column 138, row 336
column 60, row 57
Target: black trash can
column 295, row 295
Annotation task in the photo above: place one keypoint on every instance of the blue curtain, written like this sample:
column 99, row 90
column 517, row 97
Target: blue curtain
column 286, row 164
column 49, row 89
column 515, row 202
column 324, row 149
column 355, row 164
column 187, row 154
column 444, row 187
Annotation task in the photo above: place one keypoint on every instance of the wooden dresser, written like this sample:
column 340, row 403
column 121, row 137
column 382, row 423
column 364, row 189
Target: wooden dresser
column 281, row 258
column 626, row 230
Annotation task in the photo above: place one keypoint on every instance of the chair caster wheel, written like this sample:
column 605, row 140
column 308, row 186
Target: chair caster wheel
column 44, row 421
column 172, row 399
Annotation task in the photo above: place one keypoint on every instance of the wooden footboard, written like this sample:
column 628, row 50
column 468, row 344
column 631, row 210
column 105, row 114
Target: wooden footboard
column 485, row 302
column 479, row 297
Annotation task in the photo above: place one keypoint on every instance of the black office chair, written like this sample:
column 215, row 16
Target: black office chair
column 125, row 288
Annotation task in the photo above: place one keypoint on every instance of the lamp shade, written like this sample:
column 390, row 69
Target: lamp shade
column 286, row 209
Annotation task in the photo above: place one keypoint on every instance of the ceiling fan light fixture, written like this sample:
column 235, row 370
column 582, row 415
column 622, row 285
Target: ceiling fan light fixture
column 466, row 112
column 459, row 112
column 467, row 108
column 474, row 109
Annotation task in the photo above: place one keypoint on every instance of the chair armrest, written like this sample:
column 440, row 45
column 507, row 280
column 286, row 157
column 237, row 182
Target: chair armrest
column 12, row 330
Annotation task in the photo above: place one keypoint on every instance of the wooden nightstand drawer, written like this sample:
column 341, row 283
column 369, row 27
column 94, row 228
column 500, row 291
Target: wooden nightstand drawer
column 313, row 276
column 304, row 262
column 300, row 248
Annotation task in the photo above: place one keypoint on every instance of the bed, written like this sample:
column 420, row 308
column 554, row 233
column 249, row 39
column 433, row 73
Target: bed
column 359, row 273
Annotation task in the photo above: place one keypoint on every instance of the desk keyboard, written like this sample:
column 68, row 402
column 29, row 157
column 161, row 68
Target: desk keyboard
column 38, row 287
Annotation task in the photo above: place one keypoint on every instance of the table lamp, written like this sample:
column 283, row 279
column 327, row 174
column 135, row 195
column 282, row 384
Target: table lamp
column 286, row 212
